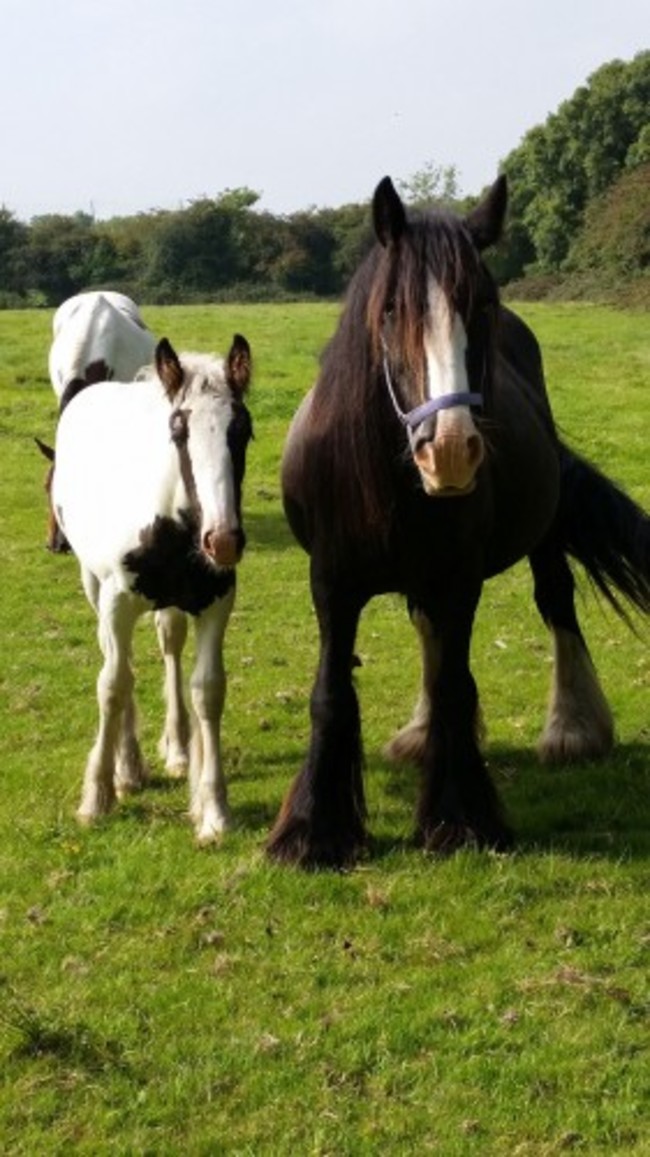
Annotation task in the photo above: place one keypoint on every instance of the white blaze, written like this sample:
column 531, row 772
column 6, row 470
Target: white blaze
column 445, row 346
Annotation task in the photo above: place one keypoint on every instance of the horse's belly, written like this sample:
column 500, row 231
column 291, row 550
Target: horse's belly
column 524, row 506
column 293, row 457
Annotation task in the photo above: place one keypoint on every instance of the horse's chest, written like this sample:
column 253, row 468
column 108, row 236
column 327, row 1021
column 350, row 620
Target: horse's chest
column 168, row 569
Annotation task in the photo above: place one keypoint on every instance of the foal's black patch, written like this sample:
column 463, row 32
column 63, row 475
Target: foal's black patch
column 171, row 571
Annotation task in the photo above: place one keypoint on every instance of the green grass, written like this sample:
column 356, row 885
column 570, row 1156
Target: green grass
column 157, row 999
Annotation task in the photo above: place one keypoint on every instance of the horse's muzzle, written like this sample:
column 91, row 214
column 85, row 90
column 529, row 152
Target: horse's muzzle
column 448, row 464
column 224, row 548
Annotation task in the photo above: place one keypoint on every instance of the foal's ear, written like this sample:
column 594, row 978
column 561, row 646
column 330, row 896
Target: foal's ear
column 170, row 370
column 238, row 364
column 388, row 213
column 485, row 222
column 45, row 450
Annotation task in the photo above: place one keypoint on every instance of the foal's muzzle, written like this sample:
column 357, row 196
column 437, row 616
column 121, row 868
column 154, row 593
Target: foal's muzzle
column 224, row 548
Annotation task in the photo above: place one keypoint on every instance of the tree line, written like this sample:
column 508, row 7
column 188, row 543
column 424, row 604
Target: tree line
column 579, row 188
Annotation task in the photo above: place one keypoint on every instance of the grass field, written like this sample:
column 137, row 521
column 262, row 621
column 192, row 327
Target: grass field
column 157, row 999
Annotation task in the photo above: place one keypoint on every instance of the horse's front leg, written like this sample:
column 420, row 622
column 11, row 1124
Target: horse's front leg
column 321, row 821
column 117, row 615
column 208, row 794
column 458, row 804
column 171, row 629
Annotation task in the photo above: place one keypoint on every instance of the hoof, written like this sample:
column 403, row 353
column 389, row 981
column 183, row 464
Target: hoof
column 406, row 746
column 87, row 819
column 175, row 758
column 177, row 770
column 449, row 836
column 97, row 801
column 132, row 783
column 571, row 745
column 293, row 841
column 210, row 827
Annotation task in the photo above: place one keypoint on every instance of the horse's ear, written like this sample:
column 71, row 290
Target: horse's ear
column 485, row 222
column 170, row 370
column 238, row 364
column 388, row 213
column 45, row 450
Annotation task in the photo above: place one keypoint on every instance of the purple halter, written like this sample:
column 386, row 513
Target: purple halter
column 411, row 419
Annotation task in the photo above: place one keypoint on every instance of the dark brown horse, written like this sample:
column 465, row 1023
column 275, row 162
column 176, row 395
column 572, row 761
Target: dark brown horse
column 424, row 461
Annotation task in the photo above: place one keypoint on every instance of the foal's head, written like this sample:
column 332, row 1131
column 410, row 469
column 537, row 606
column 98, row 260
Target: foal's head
column 432, row 313
column 211, row 427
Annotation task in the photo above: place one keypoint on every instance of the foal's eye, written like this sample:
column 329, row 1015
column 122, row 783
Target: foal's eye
column 178, row 426
column 241, row 423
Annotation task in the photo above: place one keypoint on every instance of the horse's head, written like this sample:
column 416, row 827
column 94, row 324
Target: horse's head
column 432, row 314
column 211, row 427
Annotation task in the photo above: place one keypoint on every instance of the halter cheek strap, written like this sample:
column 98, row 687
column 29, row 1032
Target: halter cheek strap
column 179, row 431
column 411, row 419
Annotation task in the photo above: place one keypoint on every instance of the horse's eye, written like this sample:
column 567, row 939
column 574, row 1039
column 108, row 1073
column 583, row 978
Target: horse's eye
column 178, row 427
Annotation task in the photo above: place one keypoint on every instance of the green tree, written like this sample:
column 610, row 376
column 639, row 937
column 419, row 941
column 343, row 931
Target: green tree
column 577, row 154
column 615, row 238
column 13, row 264
column 60, row 255
column 432, row 184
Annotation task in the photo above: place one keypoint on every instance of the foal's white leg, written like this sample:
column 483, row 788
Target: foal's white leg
column 579, row 723
column 208, row 797
column 171, row 628
column 117, row 615
column 407, row 745
column 130, row 770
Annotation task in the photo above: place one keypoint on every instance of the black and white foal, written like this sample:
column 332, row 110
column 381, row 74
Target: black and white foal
column 147, row 489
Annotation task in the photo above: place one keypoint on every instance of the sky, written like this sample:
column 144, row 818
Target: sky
column 116, row 107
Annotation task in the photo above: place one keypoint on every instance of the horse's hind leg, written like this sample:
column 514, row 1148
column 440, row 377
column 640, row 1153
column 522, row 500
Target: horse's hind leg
column 579, row 722
column 171, row 628
column 131, row 771
column 409, row 743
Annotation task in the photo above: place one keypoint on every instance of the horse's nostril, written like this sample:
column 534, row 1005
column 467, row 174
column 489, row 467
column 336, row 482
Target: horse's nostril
column 224, row 547
column 475, row 450
column 420, row 446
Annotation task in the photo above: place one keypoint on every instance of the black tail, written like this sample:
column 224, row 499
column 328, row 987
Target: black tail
column 606, row 531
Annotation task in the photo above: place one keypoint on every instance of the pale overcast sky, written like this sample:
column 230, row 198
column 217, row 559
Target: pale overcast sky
column 121, row 106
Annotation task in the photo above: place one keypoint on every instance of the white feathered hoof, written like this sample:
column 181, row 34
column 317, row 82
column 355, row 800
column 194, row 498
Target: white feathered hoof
column 210, row 825
column 407, row 745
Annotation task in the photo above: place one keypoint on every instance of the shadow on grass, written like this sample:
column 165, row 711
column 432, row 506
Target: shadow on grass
column 583, row 809
column 71, row 1044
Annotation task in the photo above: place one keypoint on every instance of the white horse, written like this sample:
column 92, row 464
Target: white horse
column 147, row 488
column 97, row 336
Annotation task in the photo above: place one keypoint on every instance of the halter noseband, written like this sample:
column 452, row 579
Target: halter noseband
column 411, row 419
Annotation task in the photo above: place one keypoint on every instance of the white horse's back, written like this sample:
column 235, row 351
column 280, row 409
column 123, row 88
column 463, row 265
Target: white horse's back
column 98, row 336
